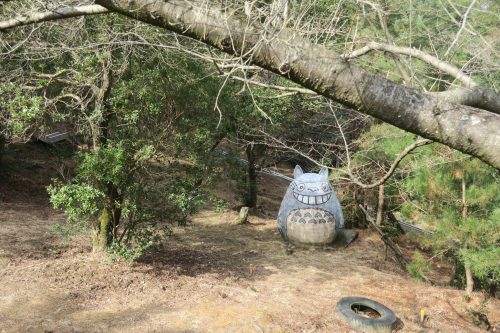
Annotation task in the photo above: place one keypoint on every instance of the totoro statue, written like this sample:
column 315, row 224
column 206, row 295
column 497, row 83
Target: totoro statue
column 310, row 212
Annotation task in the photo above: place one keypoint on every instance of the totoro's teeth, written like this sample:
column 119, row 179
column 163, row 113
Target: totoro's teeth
column 311, row 200
column 319, row 200
column 326, row 198
column 299, row 197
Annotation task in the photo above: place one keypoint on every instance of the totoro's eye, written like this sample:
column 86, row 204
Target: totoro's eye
column 324, row 186
column 301, row 187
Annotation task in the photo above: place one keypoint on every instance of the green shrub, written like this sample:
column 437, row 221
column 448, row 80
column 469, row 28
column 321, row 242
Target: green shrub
column 418, row 266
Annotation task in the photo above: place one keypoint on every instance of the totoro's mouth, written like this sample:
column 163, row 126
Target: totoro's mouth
column 312, row 199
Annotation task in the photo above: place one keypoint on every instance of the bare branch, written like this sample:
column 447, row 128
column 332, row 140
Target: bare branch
column 394, row 164
column 425, row 57
column 275, row 87
column 60, row 13
column 383, row 23
column 459, row 32
column 393, row 167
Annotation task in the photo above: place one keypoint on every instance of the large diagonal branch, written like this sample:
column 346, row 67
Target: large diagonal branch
column 470, row 130
column 56, row 14
column 477, row 97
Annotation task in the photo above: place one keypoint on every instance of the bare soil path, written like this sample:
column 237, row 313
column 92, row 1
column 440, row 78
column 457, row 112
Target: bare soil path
column 212, row 276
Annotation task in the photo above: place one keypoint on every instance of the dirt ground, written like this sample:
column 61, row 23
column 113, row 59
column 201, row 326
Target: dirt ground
column 212, row 276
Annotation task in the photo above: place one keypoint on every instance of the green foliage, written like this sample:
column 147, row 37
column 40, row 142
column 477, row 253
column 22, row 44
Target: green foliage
column 186, row 198
column 21, row 112
column 446, row 192
column 469, row 230
column 143, row 239
column 78, row 200
column 418, row 266
column 111, row 168
column 219, row 205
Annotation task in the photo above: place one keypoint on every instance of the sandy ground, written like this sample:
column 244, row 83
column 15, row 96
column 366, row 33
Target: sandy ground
column 212, row 276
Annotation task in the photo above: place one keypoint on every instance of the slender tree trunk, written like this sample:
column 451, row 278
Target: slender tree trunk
column 100, row 130
column 464, row 199
column 2, row 147
column 218, row 140
column 469, row 278
column 105, row 228
column 115, row 202
column 251, row 196
column 380, row 207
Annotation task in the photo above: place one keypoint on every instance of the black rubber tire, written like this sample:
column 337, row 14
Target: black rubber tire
column 384, row 324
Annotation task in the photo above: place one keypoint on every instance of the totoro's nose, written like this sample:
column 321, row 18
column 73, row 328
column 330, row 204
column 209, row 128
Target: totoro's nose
column 313, row 189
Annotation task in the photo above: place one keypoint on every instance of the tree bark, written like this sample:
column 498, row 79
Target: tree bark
column 251, row 195
column 115, row 199
column 470, row 130
column 2, row 147
column 469, row 279
column 380, row 206
column 101, row 231
column 102, row 106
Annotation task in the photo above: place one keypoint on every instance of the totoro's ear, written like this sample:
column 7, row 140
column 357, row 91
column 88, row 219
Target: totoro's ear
column 297, row 171
column 324, row 172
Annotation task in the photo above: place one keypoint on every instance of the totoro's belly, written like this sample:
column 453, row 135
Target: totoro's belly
column 313, row 226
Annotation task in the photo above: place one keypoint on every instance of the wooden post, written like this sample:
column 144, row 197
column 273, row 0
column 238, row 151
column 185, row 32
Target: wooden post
column 243, row 218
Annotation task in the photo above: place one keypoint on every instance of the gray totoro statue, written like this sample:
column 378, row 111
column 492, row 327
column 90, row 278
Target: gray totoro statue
column 310, row 212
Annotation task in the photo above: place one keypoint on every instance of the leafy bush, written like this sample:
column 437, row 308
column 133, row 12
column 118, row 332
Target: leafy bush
column 418, row 266
column 219, row 205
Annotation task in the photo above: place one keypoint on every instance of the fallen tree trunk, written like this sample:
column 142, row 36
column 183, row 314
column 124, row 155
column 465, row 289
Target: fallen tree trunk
column 470, row 130
column 443, row 117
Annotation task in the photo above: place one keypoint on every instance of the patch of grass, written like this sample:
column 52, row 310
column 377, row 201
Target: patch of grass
column 69, row 229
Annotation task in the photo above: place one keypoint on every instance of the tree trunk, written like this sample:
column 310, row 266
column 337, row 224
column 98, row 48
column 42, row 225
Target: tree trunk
column 2, row 147
column 218, row 140
column 380, row 207
column 469, row 279
column 101, row 232
column 470, row 130
column 102, row 107
column 251, row 195
column 115, row 200
column 464, row 199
